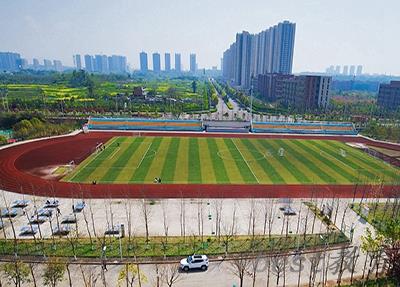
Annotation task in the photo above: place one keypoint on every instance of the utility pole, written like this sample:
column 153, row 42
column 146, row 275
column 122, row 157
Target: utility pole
column 251, row 102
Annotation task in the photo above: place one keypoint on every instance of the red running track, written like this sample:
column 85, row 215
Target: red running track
column 20, row 166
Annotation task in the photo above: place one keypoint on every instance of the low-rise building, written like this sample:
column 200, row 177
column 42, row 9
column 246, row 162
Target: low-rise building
column 300, row 92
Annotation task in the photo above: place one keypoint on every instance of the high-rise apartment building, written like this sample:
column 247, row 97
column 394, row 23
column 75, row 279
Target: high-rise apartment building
column 359, row 70
column 389, row 95
column 77, row 61
column 345, row 70
column 337, row 70
column 178, row 65
column 156, row 63
column 143, row 62
column 117, row 64
column 57, row 65
column 10, row 61
column 193, row 63
column 270, row 51
column 167, row 60
column 47, row 65
column 89, row 64
column 35, row 64
column 352, row 70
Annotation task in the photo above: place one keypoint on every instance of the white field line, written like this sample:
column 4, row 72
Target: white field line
column 245, row 161
column 89, row 161
column 114, row 153
column 337, row 159
column 144, row 156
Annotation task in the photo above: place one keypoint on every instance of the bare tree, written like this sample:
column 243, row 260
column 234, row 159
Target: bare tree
column 87, row 228
column 253, row 268
column 182, row 218
column 229, row 230
column 89, row 276
column 169, row 274
column 278, row 263
column 218, row 218
column 200, row 221
column 164, row 206
column 146, row 213
column 315, row 261
column 92, row 217
column 128, row 214
column 32, row 270
column 239, row 266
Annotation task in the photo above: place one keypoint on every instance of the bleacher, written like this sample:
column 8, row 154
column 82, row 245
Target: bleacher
column 304, row 128
column 143, row 124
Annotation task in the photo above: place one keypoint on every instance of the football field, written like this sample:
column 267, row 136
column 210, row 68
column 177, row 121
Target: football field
column 231, row 161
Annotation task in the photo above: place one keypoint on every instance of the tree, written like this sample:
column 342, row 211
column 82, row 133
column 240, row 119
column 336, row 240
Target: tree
column 372, row 246
column 130, row 275
column 53, row 272
column 146, row 213
column 16, row 272
column 3, row 140
column 169, row 274
column 194, row 86
column 239, row 267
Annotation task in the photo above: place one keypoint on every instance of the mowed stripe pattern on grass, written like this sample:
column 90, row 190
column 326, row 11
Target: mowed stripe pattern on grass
column 231, row 161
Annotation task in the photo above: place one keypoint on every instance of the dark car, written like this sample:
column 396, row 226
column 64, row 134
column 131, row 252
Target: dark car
column 20, row 203
column 68, row 219
column 51, row 203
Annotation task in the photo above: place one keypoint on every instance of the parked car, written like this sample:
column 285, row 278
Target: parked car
column 114, row 231
column 44, row 212
column 62, row 230
column 35, row 219
column 8, row 212
column 289, row 211
column 194, row 262
column 78, row 207
column 28, row 230
column 68, row 219
column 20, row 203
column 51, row 203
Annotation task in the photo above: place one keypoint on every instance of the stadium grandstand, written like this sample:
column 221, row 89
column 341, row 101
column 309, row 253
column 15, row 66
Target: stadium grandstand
column 304, row 128
column 144, row 124
column 325, row 128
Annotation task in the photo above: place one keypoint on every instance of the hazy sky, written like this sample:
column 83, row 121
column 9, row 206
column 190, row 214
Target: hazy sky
column 328, row 31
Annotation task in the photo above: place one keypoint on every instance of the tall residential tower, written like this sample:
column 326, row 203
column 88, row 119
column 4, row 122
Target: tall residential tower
column 270, row 51
column 143, row 62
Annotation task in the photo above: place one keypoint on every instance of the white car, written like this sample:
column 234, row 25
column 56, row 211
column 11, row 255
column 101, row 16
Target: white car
column 194, row 262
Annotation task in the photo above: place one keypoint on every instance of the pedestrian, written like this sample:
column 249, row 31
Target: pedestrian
column 59, row 212
column 104, row 265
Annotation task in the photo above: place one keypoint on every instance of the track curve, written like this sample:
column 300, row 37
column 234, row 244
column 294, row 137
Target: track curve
column 19, row 165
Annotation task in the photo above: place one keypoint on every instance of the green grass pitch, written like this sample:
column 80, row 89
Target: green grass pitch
column 231, row 161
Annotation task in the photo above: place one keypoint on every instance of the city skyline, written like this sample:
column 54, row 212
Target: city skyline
column 339, row 32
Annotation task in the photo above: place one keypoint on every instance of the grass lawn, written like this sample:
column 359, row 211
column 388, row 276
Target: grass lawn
column 377, row 214
column 231, row 161
column 158, row 246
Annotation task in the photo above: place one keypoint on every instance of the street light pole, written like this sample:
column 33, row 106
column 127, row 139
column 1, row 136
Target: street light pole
column 251, row 103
